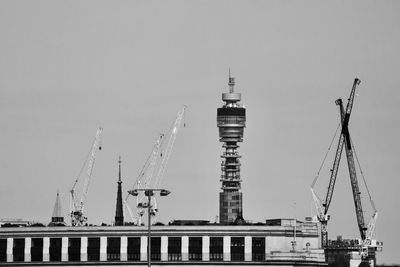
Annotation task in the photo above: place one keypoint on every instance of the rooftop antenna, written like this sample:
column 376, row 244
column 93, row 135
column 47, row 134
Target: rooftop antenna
column 231, row 82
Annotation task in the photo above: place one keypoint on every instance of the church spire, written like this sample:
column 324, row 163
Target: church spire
column 57, row 218
column 119, row 213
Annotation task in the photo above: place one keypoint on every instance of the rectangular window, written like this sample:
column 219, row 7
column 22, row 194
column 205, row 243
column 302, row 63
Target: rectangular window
column 156, row 248
column 237, row 248
column 93, row 249
column 195, row 248
column 216, row 248
column 37, row 249
column 55, row 249
column 3, row 250
column 258, row 248
column 174, row 248
column 74, row 249
column 133, row 248
column 113, row 248
column 19, row 249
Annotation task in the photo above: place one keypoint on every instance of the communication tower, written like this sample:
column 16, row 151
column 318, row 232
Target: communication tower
column 231, row 120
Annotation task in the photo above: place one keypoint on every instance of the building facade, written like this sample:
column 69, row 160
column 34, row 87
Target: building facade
column 211, row 244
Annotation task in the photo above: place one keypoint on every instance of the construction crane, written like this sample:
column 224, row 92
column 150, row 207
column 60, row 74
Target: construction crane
column 322, row 208
column 366, row 232
column 145, row 178
column 146, row 173
column 77, row 207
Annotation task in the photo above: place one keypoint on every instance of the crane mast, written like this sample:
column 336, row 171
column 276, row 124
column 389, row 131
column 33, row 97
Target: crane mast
column 76, row 209
column 352, row 171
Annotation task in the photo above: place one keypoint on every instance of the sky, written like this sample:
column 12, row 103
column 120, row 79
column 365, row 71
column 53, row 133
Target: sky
column 68, row 67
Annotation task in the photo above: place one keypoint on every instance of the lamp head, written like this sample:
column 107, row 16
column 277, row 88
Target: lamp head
column 164, row 192
column 133, row 192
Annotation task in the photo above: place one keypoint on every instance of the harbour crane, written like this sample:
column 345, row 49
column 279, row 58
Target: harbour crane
column 366, row 231
column 77, row 207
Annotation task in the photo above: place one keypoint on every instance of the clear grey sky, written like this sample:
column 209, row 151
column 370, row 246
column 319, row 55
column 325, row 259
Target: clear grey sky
column 67, row 67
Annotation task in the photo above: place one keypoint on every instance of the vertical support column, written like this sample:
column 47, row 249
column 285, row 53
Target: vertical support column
column 10, row 245
column 46, row 248
column 103, row 248
column 248, row 248
column 64, row 249
column 206, row 248
column 143, row 248
column 267, row 248
column 164, row 248
column 227, row 248
column 27, row 250
column 185, row 248
column 124, row 248
column 84, row 244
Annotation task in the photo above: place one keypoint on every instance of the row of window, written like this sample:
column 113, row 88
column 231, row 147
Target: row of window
column 133, row 249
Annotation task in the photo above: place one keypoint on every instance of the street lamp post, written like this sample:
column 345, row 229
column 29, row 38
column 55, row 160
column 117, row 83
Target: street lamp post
column 149, row 193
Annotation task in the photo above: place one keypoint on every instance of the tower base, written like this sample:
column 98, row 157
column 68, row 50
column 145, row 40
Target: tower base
column 230, row 207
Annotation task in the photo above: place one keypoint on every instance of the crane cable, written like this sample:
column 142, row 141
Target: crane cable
column 326, row 154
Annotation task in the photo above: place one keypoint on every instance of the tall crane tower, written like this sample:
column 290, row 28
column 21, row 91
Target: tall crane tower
column 77, row 207
column 322, row 208
column 366, row 231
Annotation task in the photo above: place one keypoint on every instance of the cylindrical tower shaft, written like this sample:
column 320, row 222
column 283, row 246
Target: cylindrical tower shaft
column 231, row 120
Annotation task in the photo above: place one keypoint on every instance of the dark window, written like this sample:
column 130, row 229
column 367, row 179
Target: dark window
column 3, row 250
column 216, row 248
column 133, row 248
column 93, row 249
column 195, row 248
column 237, row 248
column 37, row 249
column 156, row 248
column 258, row 248
column 55, row 249
column 19, row 249
column 174, row 248
column 74, row 249
column 113, row 248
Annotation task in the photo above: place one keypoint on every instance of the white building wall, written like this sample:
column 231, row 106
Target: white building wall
column 124, row 248
column 206, row 248
column 27, row 250
column 227, row 248
column 46, row 247
column 84, row 244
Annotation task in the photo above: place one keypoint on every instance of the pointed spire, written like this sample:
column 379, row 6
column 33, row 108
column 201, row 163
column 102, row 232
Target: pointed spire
column 119, row 167
column 57, row 217
column 119, row 213
column 57, row 206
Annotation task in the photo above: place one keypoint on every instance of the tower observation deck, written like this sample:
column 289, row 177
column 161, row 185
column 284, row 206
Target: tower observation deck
column 231, row 120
